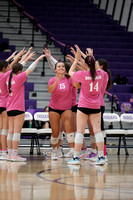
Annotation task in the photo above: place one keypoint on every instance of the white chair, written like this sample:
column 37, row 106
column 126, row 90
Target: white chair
column 127, row 118
column 31, row 132
column 113, row 118
column 43, row 116
column 127, row 123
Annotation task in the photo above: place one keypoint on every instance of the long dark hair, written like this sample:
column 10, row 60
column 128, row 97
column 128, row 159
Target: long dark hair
column 67, row 66
column 89, row 60
column 3, row 64
column 15, row 69
column 104, row 63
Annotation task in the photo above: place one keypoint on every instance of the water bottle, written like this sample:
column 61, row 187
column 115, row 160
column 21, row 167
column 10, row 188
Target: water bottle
column 30, row 124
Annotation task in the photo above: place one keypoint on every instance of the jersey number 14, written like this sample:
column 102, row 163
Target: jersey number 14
column 93, row 87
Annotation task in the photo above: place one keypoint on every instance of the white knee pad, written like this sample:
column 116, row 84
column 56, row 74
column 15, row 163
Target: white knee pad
column 99, row 137
column 92, row 139
column 104, row 134
column 0, row 131
column 79, row 138
column 54, row 140
column 70, row 137
column 16, row 137
column 10, row 136
column 4, row 132
column 60, row 136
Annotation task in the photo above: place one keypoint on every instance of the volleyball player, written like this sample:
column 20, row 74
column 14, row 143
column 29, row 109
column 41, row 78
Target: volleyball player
column 16, row 107
column 100, row 64
column 60, row 88
column 4, row 73
column 92, row 81
column 52, row 61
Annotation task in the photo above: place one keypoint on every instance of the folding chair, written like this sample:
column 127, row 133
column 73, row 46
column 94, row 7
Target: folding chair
column 43, row 116
column 31, row 132
column 127, row 123
column 111, row 118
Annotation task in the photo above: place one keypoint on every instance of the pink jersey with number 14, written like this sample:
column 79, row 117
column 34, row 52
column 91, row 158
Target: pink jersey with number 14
column 90, row 90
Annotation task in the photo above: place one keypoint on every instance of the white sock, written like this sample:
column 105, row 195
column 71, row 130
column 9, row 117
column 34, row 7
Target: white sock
column 100, row 153
column 9, row 152
column 72, row 150
column 4, row 151
column 94, row 151
column 54, row 149
column 15, row 152
column 76, row 154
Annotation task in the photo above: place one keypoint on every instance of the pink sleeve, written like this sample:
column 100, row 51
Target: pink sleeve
column 21, row 78
column 104, row 84
column 8, row 73
column 78, row 76
column 51, row 81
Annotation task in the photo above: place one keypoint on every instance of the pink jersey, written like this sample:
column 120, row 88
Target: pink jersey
column 16, row 100
column 61, row 97
column 3, row 89
column 74, row 96
column 103, row 88
column 90, row 90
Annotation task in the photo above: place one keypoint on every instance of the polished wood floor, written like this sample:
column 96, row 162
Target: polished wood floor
column 41, row 178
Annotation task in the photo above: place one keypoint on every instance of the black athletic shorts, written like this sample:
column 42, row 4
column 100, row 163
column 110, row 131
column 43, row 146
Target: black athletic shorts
column 12, row 113
column 2, row 109
column 88, row 110
column 58, row 111
column 74, row 108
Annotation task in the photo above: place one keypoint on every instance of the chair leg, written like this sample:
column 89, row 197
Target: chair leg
column 125, row 145
column 32, row 145
column 37, row 145
column 119, row 146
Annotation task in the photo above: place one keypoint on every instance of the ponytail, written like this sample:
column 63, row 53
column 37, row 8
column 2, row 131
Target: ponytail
column 67, row 67
column 9, row 83
column 89, row 60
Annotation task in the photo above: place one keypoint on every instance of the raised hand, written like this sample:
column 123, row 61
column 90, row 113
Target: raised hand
column 70, row 58
column 47, row 53
column 89, row 52
column 31, row 55
column 72, row 51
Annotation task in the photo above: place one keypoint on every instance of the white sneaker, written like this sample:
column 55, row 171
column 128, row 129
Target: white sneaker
column 93, row 159
column 74, row 161
column 18, row 159
column 3, row 157
column 54, row 155
column 60, row 153
column 69, row 154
